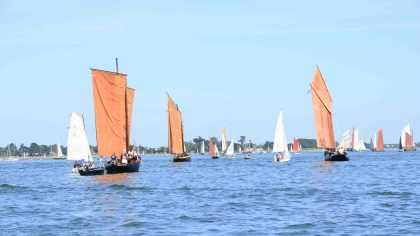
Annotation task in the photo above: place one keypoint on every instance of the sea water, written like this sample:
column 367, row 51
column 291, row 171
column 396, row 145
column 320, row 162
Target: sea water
column 372, row 194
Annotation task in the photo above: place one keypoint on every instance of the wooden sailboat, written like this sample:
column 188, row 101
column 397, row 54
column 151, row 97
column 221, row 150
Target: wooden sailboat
column 280, row 143
column 176, row 133
column 406, row 140
column 113, row 102
column 212, row 150
column 377, row 144
column 322, row 108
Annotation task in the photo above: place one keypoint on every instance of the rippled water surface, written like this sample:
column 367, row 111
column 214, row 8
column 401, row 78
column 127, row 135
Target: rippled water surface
column 372, row 194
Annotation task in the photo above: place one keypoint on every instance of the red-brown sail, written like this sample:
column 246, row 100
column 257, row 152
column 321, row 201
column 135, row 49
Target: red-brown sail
column 380, row 142
column 176, row 139
column 408, row 141
column 295, row 145
column 322, row 108
column 109, row 95
column 211, row 147
column 129, row 104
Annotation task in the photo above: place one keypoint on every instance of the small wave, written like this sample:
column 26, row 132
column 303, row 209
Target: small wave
column 11, row 187
column 125, row 187
column 301, row 226
column 390, row 193
column 134, row 224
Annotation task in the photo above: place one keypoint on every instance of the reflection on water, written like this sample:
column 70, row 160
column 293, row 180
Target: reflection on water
column 122, row 178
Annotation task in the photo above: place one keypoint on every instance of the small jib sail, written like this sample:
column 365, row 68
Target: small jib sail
column 406, row 140
column 230, row 151
column 77, row 141
column 59, row 152
column 113, row 102
column 224, row 144
column 362, row 146
column 377, row 143
column 216, row 150
column 322, row 108
column 175, row 128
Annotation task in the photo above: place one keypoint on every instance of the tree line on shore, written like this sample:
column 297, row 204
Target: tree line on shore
column 192, row 146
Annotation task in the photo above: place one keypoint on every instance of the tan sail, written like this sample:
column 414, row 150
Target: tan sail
column 175, row 132
column 322, row 108
column 129, row 104
column 111, row 113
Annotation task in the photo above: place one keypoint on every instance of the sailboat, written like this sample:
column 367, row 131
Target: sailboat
column 345, row 140
column 377, row 143
column 224, row 144
column 59, row 155
column 113, row 103
column 176, row 133
column 78, row 148
column 362, row 146
column 202, row 150
column 355, row 142
column 280, row 143
column 407, row 141
column 295, row 146
column 322, row 108
column 230, row 152
column 213, row 149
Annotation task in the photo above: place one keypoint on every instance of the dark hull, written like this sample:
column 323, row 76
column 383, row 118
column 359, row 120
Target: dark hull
column 182, row 159
column 215, row 157
column 377, row 150
column 123, row 168
column 91, row 171
column 335, row 156
column 408, row 150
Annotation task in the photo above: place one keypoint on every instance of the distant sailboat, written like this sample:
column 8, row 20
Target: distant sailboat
column 362, row 146
column 295, row 146
column 77, row 141
column 176, row 133
column 213, row 152
column 345, row 140
column 113, row 104
column 230, row 151
column 280, row 143
column 59, row 155
column 407, row 141
column 377, row 144
column 224, row 144
column 202, row 151
column 355, row 142
column 322, row 109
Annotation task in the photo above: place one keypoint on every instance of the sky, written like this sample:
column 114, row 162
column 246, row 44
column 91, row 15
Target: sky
column 232, row 64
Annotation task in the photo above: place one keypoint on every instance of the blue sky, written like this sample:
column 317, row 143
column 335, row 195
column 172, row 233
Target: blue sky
column 226, row 63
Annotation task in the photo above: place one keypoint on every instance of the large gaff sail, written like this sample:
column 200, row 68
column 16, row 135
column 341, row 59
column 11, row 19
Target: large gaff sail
column 129, row 103
column 77, row 142
column 355, row 139
column 175, row 132
column 380, row 140
column 211, row 147
column 406, row 140
column 322, row 108
column 110, row 100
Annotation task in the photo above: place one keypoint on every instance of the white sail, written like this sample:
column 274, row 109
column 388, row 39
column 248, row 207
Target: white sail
column 355, row 140
column 224, row 144
column 405, row 130
column 59, row 153
column 280, row 143
column 240, row 149
column 374, row 141
column 230, row 151
column 202, row 148
column 77, row 142
column 362, row 146
column 346, row 140
column 216, row 150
